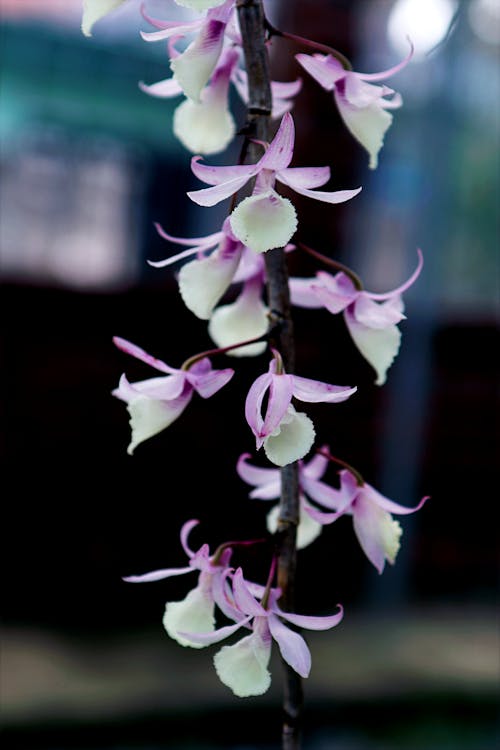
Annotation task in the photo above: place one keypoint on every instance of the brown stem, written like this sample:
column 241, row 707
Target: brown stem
column 253, row 32
column 273, row 31
column 333, row 264
column 359, row 479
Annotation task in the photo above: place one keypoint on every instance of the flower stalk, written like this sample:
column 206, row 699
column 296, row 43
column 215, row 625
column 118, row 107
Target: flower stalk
column 253, row 32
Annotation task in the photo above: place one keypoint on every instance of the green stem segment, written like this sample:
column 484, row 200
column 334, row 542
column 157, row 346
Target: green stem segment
column 253, row 32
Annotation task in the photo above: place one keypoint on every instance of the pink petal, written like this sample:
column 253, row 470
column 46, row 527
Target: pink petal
column 390, row 71
column 185, row 531
column 303, row 293
column 378, row 314
column 244, row 600
column 162, row 89
column 206, row 639
column 138, row 353
column 255, row 475
column 336, row 196
column 334, row 292
column 304, row 177
column 287, row 89
column 390, row 505
column 317, row 67
column 207, row 385
column 157, row 575
column 311, row 622
column 292, row 646
column 211, row 240
column 314, row 391
column 406, row 285
column 168, row 29
column 279, row 154
column 324, row 518
column 254, row 401
column 316, row 467
column 213, row 195
column 221, row 175
column 327, row 496
column 280, row 395
column 366, row 519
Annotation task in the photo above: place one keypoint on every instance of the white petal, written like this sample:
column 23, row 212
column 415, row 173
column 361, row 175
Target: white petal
column 206, row 127
column 246, row 318
column 292, row 439
column 379, row 346
column 203, row 282
column 194, row 614
column 93, row 10
column 264, row 221
column 149, row 416
column 368, row 125
column 307, row 531
column 243, row 666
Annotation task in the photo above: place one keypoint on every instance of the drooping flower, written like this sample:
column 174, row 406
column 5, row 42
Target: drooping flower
column 286, row 435
column 244, row 319
column 371, row 318
column 193, row 67
column 196, row 612
column 376, row 530
column 155, row 403
column 267, row 483
column 94, row 10
column 243, row 667
column 362, row 106
column 265, row 220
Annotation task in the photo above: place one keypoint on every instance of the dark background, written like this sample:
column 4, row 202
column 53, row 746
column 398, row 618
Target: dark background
column 88, row 164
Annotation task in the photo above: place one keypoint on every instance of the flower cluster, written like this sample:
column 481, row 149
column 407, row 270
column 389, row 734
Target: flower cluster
column 206, row 57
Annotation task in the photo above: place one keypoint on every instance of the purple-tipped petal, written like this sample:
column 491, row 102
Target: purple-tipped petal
column 185, row 532
column 207, row 639
column 378, row 314
column 303, row 293
column 210, row 240
column 207, row 385
column 292, row 646
column 171, row 28
column 213, row 195
column 314, row 391
column 390, row 505
column 335, row 196
column 328, row 497
column 162, row 89
column 390, row 71
column 253, row 403
column 138, row 353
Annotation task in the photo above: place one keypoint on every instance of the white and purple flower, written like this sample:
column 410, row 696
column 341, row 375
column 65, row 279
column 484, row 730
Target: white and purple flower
column 371, row 318
column 285, row 434
column 362, row 106
column 155, row 403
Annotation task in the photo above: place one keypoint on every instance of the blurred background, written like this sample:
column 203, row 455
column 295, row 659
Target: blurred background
column 88, row 164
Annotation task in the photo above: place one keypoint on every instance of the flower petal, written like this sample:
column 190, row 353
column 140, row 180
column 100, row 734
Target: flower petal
column 210, row 240
column 194, row 614
column 292, row 440
column 265, row 221
column 205, row 127
column 203, row 282
column 317, row 67
column 378, row 346
column 292, row 646
column 326, row 196
column 334, row 292
column 185, row 531
column 390, row 505
column 138, row 353
column 243, row 666
column 163, row 89
column 211, row 382
column 255, row 475
column 327, row 496
column 149, row 416
column 220, row 175
column 311, row 622
column 157, row 575
column 213, row 195
column 94, row 10
column 390, row 71
column 316, row 466
column 307, row 530
column 378, row 314
column 168, row 29
column 246, row 318
column 244, row 600
column 253, row 403
column 407, row 283
column 303, row 293
column 279, row 153
column 304, row 177
column 377, row 532
column 195, row 65
column 367, row 124
column 314, row 391
column 199, row 5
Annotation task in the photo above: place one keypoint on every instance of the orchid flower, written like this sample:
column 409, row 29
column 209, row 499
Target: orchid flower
column 371, row 318
column 195, row 613
column 243, row 667
column 267, row 483
column 94, row 10
column 265, row 220
column 193, row 67
column 362, row 106
column 286, row 435
column 246, row 318
column 155, row 403
column 377, row 532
